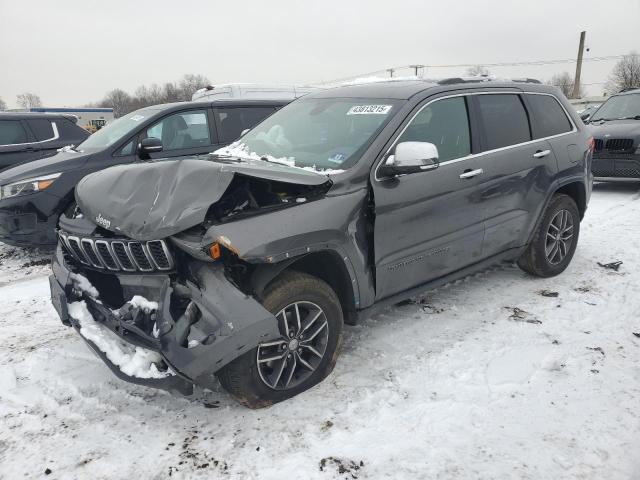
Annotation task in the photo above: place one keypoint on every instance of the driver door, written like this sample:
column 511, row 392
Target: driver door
column 429, row 224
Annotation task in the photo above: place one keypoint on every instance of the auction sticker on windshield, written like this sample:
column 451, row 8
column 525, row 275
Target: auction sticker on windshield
column 369, row 110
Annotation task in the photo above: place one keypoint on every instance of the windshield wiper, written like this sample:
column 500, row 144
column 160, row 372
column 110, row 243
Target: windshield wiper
column 226, row 158
column 635, row 117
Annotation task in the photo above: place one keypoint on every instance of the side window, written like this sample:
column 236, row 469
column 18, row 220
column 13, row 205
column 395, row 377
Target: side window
column 548, row 116
column 12, row 132
column 182, row 130
column 233, row 121
column 505, row 120
column 444, row 123
column 41, row 128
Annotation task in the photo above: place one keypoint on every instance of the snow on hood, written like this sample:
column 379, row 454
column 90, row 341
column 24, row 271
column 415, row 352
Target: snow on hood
column 131, row 360
column 154, row 200
column 239, row 149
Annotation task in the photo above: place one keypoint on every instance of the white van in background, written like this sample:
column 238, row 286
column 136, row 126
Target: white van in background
column 254, row 91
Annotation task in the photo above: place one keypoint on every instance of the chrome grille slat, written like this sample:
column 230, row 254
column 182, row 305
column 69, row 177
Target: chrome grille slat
column 118, row 254
column 90, row 252
column 76, row 249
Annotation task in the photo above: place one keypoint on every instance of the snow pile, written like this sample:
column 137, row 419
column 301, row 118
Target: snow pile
column 67, row 149
column 82, row 283
column 132, row 360
column 142, row 303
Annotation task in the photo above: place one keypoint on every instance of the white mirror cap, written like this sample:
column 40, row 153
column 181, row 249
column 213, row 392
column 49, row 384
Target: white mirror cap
column 415, row 153
column 244, row 131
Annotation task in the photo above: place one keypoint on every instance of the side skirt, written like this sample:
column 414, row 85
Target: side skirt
column 509, row 255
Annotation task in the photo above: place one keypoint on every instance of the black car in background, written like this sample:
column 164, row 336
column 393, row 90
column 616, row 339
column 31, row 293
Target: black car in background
column 33, row 195
column 616, row 131
column 25, row 137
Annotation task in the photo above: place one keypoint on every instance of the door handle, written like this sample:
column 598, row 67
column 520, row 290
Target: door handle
column 471, row 173
column 541, row 153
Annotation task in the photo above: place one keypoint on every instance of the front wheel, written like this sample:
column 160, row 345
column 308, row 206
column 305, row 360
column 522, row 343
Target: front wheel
column 310, row 321
column 555, row 239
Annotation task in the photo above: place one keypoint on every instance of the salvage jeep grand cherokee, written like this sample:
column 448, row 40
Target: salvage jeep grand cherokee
column 245, row 265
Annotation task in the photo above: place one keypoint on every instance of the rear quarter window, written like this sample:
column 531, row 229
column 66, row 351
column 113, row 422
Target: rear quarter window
column 548, row 116
column 504, row 119
column 41, row 128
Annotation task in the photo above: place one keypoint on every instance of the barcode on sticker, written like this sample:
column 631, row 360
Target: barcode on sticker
column 369, row 110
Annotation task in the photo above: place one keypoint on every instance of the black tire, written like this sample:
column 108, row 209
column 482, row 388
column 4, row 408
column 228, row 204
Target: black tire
column 242, row 378
column 535, row 260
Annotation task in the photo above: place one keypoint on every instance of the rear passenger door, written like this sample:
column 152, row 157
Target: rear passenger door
column 517, row 170
column 232, row 121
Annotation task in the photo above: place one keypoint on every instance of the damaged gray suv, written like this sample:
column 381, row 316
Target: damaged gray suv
column 245, row 264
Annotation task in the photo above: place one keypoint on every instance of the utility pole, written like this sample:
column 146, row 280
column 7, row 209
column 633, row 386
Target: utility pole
column 390, row 70
column 576, row 80
column 415, row 68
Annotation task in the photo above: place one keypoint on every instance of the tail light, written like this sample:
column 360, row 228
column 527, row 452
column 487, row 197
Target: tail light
column 591, row 144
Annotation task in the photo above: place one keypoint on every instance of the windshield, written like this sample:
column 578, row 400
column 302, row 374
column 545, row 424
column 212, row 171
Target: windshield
column 323, row 134
column 117, row 130
column 620, row 106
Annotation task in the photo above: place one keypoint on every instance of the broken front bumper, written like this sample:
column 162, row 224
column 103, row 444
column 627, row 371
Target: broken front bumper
column 228, row 322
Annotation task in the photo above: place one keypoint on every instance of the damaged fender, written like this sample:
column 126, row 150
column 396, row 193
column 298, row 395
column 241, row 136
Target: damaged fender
column 336, row 223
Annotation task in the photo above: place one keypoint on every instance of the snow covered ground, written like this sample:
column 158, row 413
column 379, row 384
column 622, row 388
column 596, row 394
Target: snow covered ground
column 494, row 377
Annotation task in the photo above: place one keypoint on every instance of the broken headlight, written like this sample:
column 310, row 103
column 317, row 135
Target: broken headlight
column 27, row 187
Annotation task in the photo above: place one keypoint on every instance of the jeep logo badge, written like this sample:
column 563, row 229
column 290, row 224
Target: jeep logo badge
column 103, row 222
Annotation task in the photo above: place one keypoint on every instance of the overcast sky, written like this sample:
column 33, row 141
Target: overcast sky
column 71, row 52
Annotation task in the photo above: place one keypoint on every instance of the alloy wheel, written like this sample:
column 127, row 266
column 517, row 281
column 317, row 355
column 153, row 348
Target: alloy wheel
column 288, row 361
column 559, row 237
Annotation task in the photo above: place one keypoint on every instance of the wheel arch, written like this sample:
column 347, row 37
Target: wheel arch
column 328, row 265
column 575, row 190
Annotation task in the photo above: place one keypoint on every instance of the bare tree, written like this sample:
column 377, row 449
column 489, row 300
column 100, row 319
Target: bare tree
column 625, row 74
column 3, row 105
column 119, row 100
column 189, row 84
column 28, row 100
column 154, row 94
column 477, row 70
column 564, row 81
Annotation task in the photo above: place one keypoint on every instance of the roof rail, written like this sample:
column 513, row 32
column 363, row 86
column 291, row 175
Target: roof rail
column 484, row 78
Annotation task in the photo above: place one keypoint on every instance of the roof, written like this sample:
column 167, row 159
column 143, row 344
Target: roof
column 29, row 115
column 70, row 110
column 402, row 89
column 227, row 102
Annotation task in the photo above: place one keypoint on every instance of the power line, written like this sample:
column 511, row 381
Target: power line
column 493, row 65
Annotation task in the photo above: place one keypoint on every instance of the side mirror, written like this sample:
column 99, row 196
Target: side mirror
column 148, row 146
column 585, row 116
column 410, row 157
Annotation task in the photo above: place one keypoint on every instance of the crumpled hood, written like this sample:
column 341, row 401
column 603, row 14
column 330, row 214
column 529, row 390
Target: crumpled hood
column 154, row 200
column 616, row 129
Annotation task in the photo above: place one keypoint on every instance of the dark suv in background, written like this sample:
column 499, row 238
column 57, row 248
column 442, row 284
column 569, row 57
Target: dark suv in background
column 616, row 130
column 245, row 264
column 33, row 195
column 25, row 137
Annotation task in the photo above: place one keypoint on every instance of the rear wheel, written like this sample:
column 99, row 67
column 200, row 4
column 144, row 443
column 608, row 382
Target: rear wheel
column 310, row 322
column 555, row 239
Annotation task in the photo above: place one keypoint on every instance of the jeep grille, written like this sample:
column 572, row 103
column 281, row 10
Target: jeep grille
column 118, row 254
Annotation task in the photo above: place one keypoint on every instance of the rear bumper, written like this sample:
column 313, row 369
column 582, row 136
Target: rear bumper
column 228, row 323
